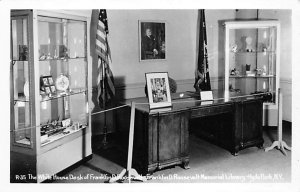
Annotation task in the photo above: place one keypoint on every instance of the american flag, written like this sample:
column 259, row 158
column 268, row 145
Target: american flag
column 106, row 88
column 202, row 80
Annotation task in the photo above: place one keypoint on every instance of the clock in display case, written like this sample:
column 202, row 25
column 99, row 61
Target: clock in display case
column 252, row 62
column 50, row 92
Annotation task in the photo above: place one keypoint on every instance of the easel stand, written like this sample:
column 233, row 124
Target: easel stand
column 129, row 173
column 280, row 144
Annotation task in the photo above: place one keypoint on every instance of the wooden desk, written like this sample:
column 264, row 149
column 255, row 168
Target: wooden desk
column 161, row 139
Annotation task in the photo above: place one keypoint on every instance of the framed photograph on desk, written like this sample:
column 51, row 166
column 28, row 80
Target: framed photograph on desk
column 158, row 90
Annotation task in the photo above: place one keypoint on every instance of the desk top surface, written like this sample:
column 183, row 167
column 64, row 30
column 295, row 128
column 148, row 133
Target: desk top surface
column 187, row 100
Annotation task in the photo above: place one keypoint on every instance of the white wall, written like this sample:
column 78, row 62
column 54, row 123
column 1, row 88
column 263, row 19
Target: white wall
column 284, row 16
column 181, row 33
column 124, row 42
column 182, row 43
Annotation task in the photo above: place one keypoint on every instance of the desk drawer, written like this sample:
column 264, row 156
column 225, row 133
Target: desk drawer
column 211, row 110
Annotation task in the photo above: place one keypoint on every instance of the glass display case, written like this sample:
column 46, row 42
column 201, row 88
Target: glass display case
column 252, row 61
column 50, row 91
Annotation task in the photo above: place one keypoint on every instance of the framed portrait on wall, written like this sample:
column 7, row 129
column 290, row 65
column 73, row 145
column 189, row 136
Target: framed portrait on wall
column 158, row 90
column 152, row 40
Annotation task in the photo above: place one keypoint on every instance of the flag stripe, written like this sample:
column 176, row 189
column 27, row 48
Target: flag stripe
column 102, row 55
column 101, row 37
column 106, row 89
column 101, row 45
column 101, row 50
column 101, row 26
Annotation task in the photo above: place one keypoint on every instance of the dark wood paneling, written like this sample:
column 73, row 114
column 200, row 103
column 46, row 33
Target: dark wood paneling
column 172, row 138
column 249, row 123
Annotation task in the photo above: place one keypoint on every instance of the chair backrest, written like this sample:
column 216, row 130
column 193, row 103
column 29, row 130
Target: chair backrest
column 172, row 84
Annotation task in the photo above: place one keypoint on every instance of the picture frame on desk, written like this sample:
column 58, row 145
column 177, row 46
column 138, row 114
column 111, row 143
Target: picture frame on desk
column 158, row 90
column 152, row 40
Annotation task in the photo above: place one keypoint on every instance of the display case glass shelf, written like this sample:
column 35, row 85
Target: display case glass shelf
column 50, row 85
column 252, row 58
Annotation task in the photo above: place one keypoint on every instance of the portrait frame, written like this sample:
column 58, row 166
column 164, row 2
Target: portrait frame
column 45, row 81
column 157, row 40
column 158, row 90
column 47, row 84
column 48, row 90
column 50, row 80
column 53, row 89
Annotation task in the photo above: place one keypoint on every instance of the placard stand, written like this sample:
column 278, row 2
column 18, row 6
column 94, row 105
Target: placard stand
column 281, row 145
column 206, row 97
column 131, row 173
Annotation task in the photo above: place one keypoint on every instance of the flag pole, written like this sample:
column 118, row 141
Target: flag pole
column 104, row 141
column 106, row 91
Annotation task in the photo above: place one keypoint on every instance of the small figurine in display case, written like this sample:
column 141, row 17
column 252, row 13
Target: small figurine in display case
column 249, row 47
column 63, row 52
column 23, row 52
column 233, row 47
column 234, row 72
